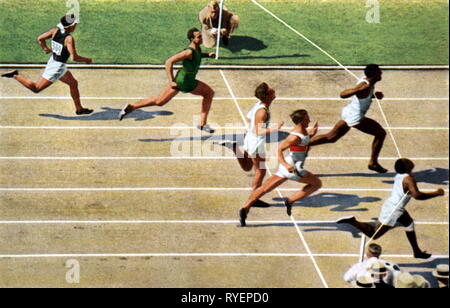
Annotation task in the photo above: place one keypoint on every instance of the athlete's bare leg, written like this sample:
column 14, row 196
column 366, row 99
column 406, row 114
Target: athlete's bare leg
column 36, row 87
column 207, row 93
column 337, row 132
column 269, row 185
column 366, row 228
column 72, row 82
column 260, row 171
column 166, row 95
column 406, row 220
column 373, row 128
column 313, row 184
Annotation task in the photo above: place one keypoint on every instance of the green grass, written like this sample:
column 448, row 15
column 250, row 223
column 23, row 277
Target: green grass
column 136, row 31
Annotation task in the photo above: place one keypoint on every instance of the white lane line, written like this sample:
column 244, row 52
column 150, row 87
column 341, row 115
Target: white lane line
column 140, row 255
column 200, row 158
column 304, row 37
column 193, row 98
column 305, row 244
column 387, row 125
column 131, row 222
column 160, row 189
column 192, row 127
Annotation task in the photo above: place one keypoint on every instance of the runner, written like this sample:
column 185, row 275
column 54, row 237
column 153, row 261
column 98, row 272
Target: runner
column 291, row 167
column 393, row 210
column 184, row 81
column 354, row 115
column 258, row 119
column 63, row 46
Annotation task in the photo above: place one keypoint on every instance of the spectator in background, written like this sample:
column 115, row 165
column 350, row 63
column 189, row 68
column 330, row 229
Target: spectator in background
column 405, row 280
column 209, row 19
column 380, row 275
column 373, row 254
column 441, row 274
column 363, row 282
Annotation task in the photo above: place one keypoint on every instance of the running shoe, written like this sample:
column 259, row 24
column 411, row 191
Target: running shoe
column 422, row 255
column 377, row 168
column 242, row 217
column 206, row 128
column 10, row 74
column 288, row 207
column 84, row 111
column 123, row 112
column 345, row 220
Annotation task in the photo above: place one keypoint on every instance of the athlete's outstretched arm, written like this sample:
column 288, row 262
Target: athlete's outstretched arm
column 358, row 89
column 411, row 183
column 208, row 55
column 284, row 145
column 260, row 118
column 45, row 36
column 70, row 43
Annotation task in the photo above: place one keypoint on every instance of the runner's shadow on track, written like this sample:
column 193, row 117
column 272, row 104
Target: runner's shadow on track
column 109, row 114
column 239, row 138
column 430, row 265
column 313, row 227
column 338, row 202
column 438, row 176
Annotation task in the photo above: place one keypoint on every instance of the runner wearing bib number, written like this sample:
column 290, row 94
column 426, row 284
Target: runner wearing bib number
column 62, row 47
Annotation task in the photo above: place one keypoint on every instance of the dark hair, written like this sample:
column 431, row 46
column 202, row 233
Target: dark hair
column 371, row 69
column 375, row 249
column 190, row 33
column 261, row 91
column 298, row 116
column 68, row 20
column 403, row 165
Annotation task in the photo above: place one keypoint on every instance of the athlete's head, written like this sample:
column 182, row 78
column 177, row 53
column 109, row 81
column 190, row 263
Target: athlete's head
column 194, row 35
column 265, row 93
column 374, row 250
column 373, row 71
column 300, row 116
column 403, row 165
column 69, row 22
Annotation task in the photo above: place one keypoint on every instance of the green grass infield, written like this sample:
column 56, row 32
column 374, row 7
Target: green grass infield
column 410, row 32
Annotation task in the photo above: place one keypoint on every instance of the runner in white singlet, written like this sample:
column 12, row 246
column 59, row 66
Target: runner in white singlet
column 393, row 211
column 354, row 115
column 258, row 119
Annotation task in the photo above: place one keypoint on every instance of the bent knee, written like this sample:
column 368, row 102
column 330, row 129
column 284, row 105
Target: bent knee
column 317, row 184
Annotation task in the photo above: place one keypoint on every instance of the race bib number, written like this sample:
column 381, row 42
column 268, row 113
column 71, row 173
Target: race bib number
column 57, row 48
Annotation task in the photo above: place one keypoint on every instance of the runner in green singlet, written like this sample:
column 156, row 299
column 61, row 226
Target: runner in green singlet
column 184, row 81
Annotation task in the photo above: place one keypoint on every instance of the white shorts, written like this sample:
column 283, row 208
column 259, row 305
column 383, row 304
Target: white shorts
column 254, row 144
column 389, row 215
column 54, row 70
column 282, row 172
column 351, row 117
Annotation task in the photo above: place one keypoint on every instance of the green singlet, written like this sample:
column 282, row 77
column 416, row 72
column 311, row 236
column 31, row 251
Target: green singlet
column 185, row 77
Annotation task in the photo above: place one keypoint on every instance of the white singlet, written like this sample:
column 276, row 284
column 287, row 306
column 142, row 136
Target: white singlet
column 255, row 144
column 356, row 110
column 395, row 205
column 297, row 156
